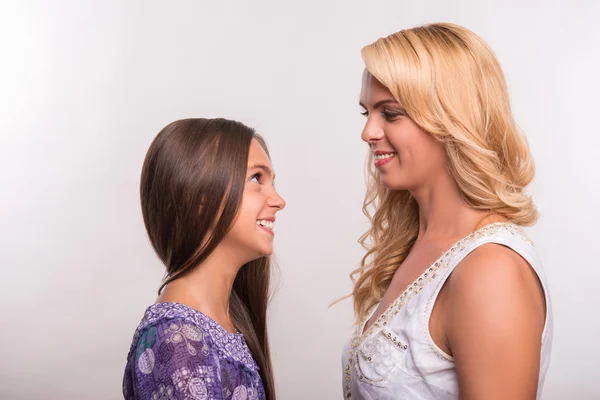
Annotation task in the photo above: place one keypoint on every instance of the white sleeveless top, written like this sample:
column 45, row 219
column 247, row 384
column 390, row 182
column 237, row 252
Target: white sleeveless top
column 396, row 357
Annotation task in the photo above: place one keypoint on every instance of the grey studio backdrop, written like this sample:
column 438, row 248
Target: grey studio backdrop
column 85, row 86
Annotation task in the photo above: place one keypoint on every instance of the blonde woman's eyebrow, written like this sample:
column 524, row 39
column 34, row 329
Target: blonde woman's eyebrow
column 379, row 103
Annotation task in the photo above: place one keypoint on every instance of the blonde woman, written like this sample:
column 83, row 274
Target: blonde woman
column 450, row 299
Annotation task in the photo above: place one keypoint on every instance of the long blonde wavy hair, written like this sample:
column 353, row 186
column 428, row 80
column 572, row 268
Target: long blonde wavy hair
column 452, row 86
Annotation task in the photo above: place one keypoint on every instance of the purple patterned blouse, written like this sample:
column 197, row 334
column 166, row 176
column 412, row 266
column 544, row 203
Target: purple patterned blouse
column 179, row 353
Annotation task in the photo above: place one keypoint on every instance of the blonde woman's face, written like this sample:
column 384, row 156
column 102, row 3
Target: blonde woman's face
column 406, row 157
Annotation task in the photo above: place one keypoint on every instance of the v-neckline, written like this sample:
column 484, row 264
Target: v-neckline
column 431, row 270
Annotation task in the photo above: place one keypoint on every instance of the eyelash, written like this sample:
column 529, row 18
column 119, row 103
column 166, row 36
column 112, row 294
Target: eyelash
column 389, row 116
column 258, row 177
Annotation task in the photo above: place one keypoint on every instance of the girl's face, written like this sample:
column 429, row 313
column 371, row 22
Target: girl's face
column 252, row 230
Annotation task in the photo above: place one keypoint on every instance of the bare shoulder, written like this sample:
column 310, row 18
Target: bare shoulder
column 494, row 289
column 493, row 268
column 493, row 321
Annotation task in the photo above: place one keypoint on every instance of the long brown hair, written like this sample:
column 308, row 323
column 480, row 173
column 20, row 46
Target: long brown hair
column 192, row 184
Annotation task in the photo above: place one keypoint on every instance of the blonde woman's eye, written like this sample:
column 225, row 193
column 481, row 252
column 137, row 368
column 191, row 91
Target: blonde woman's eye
column 392, row 115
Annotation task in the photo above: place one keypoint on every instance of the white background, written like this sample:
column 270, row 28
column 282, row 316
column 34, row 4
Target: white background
column 85, row 86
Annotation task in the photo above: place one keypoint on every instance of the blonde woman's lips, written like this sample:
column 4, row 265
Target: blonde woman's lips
column 383, row 157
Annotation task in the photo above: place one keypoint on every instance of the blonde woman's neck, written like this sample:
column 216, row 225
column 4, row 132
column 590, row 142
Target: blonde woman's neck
column 444, row 214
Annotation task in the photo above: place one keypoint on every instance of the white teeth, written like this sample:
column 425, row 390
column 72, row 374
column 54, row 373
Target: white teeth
column 265, row 223
column 384, row 156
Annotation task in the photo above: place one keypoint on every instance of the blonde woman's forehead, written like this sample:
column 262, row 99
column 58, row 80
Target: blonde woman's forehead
column 373, row 92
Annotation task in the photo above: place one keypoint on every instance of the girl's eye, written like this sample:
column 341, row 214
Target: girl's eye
column 256, row 178
column 364, row 113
